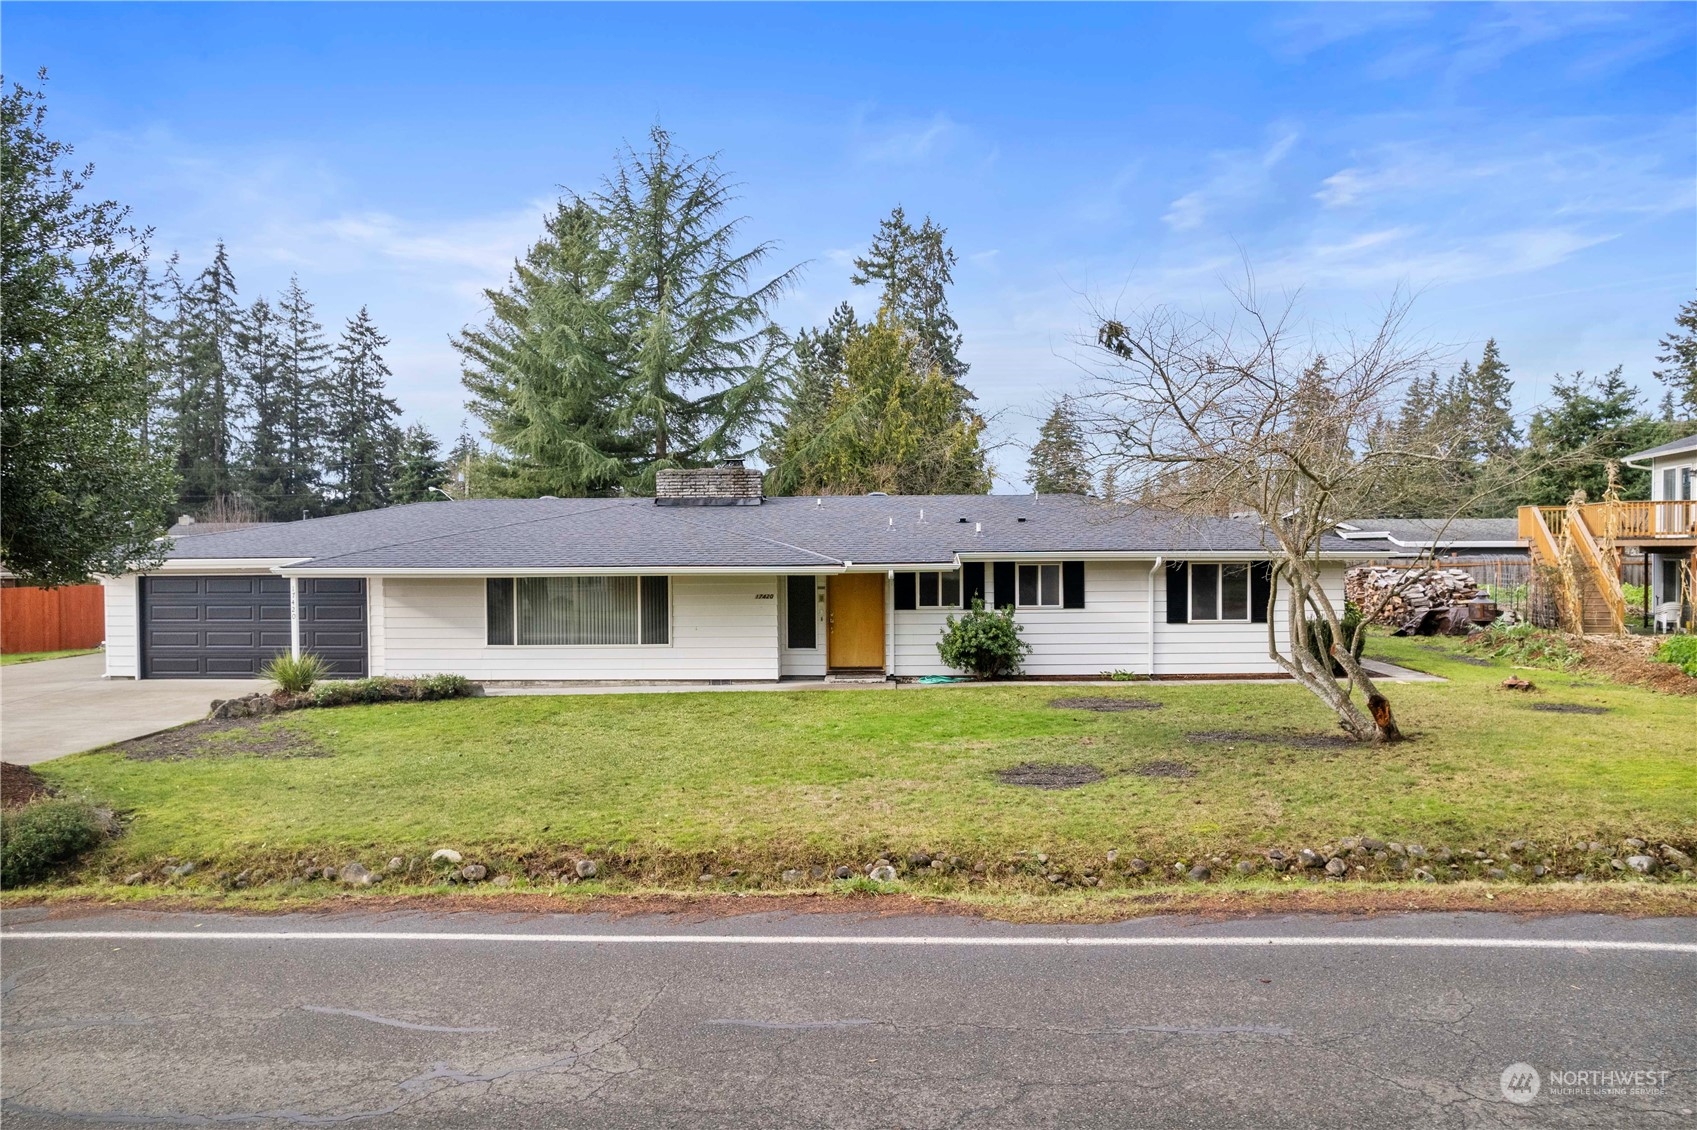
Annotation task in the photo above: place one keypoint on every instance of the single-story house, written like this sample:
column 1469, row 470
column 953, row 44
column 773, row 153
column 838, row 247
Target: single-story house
column 709, row 581
column 1445, row 539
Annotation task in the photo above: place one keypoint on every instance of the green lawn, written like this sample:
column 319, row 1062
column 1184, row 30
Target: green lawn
column 38, row 656
column 764, row 780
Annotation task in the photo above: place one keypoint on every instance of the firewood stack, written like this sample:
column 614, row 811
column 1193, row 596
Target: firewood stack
column 1412, row 592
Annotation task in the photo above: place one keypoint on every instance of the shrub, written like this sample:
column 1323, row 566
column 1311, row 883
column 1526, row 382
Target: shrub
column 41, row 836
column 294, row 674
column 984, row 642
column 1320, row 636
column 1681, row 651
column 1525, row 646
column 432, row 687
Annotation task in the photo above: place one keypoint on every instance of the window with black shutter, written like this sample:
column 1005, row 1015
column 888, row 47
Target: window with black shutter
column 803, row 622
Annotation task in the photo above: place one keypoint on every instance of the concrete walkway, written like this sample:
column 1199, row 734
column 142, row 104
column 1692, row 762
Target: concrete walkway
column 60, row 706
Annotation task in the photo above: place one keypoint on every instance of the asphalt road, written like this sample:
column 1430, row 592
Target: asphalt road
column 576, row 1021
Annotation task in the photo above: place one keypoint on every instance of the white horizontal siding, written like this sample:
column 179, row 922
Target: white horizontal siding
column 722, row 628
column 802, row 662
column 1111, row 632
column 123, row 628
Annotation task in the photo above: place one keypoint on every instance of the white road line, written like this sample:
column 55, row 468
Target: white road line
column 1394, row 941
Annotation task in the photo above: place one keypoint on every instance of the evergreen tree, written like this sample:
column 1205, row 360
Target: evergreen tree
column 816, row 374
column 1679, row 354
column 206, row 383
column 1489, row 394
column 362, row 438
column 1059, row 463
column 303, row 357
column 418, row 467
column 889, row 427
column 914, row 267
column 631, row 338
column 1590, row 423
column 81, row 491
column 263, row 467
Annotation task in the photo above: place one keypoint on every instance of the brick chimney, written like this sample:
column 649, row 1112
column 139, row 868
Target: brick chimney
column 729, row 484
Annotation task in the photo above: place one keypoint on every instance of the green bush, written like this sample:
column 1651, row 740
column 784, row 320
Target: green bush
column 295, row 674
column 379, row 688
column 41, row 836
column 1634, row 595
column 431, row 687
column 1320, row 636
column 1525, row 646
column 983, row 642
column 1681, row 651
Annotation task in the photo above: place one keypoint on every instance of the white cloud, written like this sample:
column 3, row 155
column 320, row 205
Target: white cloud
column 1239, row 176
column 902, row 141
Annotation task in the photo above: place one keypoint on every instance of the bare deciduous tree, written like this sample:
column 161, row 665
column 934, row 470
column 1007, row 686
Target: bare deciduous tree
column 1257, row 413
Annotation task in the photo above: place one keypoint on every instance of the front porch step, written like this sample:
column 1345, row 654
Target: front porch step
column 856, row 675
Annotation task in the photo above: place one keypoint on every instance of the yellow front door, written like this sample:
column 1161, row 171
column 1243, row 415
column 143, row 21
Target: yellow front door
column 854, row 636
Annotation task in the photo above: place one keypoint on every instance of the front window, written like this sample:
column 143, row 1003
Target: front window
column 555, row 611
column 1219, row 592
column 939, row 590
column 1039, row 586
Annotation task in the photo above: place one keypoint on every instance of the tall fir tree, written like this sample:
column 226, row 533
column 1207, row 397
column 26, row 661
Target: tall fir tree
column 1590, row 423
column 633, row 337
column 418, row 467
column 263, row 468
column 361, row 434
column 303, row 360
column 206, row 405
column 913, row 269
column 1679, row 358
column 1490, row 400
column 1059, row 463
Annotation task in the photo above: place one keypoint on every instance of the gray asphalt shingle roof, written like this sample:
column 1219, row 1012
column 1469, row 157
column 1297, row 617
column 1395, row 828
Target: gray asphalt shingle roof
column 1446, row 531
column 634, row 533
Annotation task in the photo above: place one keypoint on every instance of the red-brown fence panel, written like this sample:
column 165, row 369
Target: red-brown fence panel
column 64, row 619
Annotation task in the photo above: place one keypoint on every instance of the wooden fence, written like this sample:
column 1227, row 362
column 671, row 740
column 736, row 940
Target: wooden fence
column 63, row 619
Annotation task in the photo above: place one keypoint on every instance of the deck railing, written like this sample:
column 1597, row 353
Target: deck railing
column 1633, row 521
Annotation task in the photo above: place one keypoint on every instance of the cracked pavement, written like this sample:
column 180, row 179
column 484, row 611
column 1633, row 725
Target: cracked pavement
column 474, row 1034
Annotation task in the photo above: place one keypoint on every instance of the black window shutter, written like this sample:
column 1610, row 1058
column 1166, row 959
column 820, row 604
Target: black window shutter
column 971, row 582
column 1072, row 584
column 1260, row 590
column 1178, row 592
column 907, row 592
column 1001, row 576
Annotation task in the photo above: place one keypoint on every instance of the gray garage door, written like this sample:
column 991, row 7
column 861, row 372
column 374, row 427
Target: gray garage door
column 225, row 627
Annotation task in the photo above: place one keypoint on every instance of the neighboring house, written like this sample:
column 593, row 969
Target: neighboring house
column 1673, row 516
column 709, row 582
column 1446, row 539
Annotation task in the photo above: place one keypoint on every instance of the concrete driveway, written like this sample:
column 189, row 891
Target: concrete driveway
column 61, row 706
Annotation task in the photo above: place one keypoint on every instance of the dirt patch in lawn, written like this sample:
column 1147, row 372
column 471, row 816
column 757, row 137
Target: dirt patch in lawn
column 19, row 785
column 1627, row 660
column 1470, row 660
column 1031, row 775
column 1289, row 741
column 1164, row 769
column 1102, row 704
column 225, row 737
column 1567, row 708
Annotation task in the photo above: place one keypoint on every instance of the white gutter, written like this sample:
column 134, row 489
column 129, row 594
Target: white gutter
column 1159, row 563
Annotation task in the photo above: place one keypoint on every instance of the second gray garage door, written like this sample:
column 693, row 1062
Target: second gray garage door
column 228, row 626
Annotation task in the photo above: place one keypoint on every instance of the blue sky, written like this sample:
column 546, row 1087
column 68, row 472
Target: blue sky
column 1529, row 170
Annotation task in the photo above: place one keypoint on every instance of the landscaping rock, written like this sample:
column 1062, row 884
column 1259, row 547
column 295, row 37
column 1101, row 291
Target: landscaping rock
column 1199, row 874
column 356, row 875
column 1617, row 865
column 843, row 873
column 396, row 863
column 1540, row 871
column 182, row 872
column 1245, row 867
column 1396, row 849
column 1416, row 851
column 1675, row 857
column 918, row 859
column 587, row 869
column 1517, row 847
column 1516, row 869
column 1113, row 854
column 446, row 855
column 1138, row 866
column 473, row 872
column 1424, row 876
column 940, row 866
column 1054, row 877
column 1310, row 859
column 1370, row 844
column 1633, row 842
column 704, row 877
column 1643, row 864
column 1336, row 867
column 884, row 874
column 1495, row 873
column 135, row 880
column 791, row 876
column 503, row 880
column 248, row 706
column 816, row 873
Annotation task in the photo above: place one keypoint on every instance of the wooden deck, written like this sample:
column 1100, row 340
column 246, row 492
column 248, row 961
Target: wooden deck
column 1583, row 543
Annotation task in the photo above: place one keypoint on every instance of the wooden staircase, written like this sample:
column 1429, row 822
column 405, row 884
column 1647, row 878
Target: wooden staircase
column 1589, row 594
